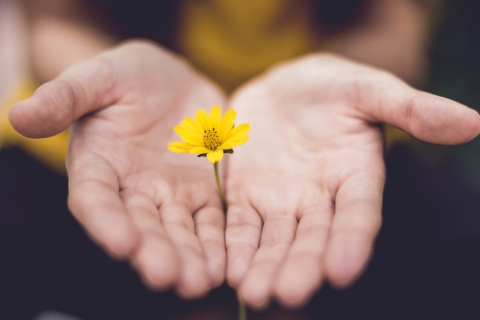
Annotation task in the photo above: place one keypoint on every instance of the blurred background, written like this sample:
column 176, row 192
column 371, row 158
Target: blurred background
column 427, row 255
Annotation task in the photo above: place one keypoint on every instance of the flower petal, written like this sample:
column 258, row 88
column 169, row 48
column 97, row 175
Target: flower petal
column 189, row 136
column 226, row 123
column 202, row 117
column 194, row 123
column 238, row 132
column 215, row 115
column 241, row 141
column 179, row 147
column 215, row 156
column 191, row 125
column 232, row 143
column 199, row 150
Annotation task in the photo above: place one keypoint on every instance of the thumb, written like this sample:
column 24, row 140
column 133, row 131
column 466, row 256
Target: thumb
column 423, row 115
column 81, row 89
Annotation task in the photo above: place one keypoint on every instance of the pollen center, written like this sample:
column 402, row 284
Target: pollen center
column 210, row 139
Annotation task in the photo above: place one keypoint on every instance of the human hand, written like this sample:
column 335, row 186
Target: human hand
column 133, row 196
column 305, row 194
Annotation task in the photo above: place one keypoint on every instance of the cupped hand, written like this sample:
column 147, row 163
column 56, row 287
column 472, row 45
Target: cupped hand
column 133, row 196
column 305, row 194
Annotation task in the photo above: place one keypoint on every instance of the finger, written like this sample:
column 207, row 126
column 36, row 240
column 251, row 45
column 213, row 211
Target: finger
column 155, row 256
column 242, row 237
column 277, row 234
column 355, row 225
column 209, row 227
column 301, row 273
column 95, row 202
column 194, row 278
column 425, row 116
column 81, row 89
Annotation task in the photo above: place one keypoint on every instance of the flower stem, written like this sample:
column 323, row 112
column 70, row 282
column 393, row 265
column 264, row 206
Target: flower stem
column 242, row 311
column 219, row 185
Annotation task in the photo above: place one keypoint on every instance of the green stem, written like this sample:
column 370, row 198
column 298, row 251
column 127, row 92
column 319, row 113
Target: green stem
column 219, row 185
column 242, row 310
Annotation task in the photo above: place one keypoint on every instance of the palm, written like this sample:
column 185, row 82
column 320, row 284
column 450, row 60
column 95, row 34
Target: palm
column 305, row 193
column 136, row 198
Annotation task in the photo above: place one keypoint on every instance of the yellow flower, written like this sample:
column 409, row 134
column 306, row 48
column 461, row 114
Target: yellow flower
column 210, row 135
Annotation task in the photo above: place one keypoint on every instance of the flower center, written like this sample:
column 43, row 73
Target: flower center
column 210, row 139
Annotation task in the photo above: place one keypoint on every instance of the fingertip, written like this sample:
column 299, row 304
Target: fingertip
column 46, row 113
column 192, row 292
column 20, row 119
column 193, row 283
column 289, row 295
column 239, row 258
column 106, row 222
column 154, row 282
column 440, row 120
column 255, row 292
column 346, row 258
column 293, row 301
column 254, row 300
column 237, row 265
column 215, row 256
column 242, row 237
column 233, row 281
column 216, row 262
column 118, row 237
column 236, row 271
column 293, row 289
column 217, row 273
column 468, row 125
column 157, row 262
column 475, row 124
column 121, row 241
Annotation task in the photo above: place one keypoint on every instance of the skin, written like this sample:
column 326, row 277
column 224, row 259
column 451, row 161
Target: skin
column 133, row 196
column 305, row 194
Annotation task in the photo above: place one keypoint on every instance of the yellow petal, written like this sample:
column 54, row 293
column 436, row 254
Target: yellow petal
column 202, row 117
column 226, row 123
column 215, row 156
column 241, row 141
column 194, row 123
column 179, row 147
column 238, row 132
column 199, row 150
column 232, row 143
column 215, row 114
column 191, row 125
column 189, row 136
column 219, row 154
